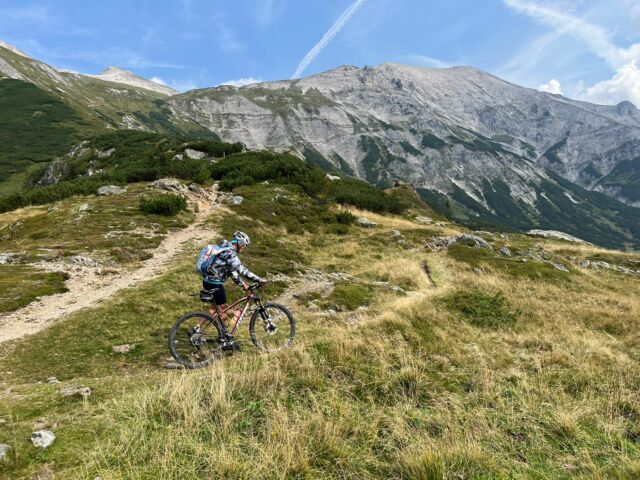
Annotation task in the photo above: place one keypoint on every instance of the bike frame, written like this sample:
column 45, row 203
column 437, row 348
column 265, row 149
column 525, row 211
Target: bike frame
column 216, row 311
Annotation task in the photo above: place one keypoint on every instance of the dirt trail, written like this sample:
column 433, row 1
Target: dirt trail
column 87, row 286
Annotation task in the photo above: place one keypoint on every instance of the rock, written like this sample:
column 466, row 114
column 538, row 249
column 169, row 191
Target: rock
column 330, row 313
column 84, row 261
column 106, row 153
column 126, row 348
column 396, row 233
column 178, row 156
column 555, row 235
column 2, row 421
column 194, row 154
column 85, row 207
column 477, row 271
column 365, row 222
column 42, row 438
column 599, row 264
column 560, row 266
column 439, row 243
column 110, row 190
column 174, row 366
column 6, row 258
column 424, row 220
column 332, row 177
column 169, row 185
column 4, row 450
column 505, row 252
column 53, row 380
column 71, row 391
column 236, row 200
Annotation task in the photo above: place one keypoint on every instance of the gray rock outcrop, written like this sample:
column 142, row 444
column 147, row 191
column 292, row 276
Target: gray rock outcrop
column 556, row 235
column 42, row 438
column 110, row 190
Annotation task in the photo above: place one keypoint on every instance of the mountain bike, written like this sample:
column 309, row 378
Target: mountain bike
column 199, row 338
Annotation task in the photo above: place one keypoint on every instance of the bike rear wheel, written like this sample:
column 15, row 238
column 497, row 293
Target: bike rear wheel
column 196, row 340
column 272, row 328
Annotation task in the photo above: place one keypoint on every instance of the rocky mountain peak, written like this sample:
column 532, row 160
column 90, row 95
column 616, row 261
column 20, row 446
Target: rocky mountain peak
column 13, row 48
column 119, row 75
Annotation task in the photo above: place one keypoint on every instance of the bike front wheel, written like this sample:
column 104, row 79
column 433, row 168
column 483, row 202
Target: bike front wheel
column 272, row 327
column 195, row 340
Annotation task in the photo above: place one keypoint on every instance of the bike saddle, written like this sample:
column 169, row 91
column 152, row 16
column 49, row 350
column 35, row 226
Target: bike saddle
column 207, row 295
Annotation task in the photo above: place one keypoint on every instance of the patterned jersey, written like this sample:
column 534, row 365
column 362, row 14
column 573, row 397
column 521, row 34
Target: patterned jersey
column 227, row 264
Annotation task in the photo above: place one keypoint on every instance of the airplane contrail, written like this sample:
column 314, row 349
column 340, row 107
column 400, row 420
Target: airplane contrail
column 328, row 37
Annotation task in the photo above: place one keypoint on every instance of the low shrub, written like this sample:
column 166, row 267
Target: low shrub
column 345, row 218
column 167, row 204
column 481, row 309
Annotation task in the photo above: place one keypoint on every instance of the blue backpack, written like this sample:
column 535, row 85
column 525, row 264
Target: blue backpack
column 207, row 257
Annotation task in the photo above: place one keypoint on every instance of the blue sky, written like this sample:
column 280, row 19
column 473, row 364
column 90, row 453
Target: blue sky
column 586, row 49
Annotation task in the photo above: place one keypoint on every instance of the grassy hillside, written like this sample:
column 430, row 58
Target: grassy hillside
column 35, row 126
column 491, row 366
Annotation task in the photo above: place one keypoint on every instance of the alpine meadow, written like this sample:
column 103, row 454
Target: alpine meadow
column 458, row 258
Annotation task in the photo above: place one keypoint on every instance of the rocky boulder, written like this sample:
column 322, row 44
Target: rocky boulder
column 71, row 391
column 4, row 450
column 42, row 438
column 440, row 243
column 364, row 222
column 556, row 235
column 601, row 265
column 194, row 154
column 110, row 190
column 172, row 185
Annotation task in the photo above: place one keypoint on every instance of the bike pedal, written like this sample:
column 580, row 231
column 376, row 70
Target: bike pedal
column 230, row 346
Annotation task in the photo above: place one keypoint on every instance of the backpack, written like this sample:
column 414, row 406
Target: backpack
column 207, row 256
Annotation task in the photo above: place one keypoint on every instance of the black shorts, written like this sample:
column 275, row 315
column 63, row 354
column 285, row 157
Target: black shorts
column 220, row 295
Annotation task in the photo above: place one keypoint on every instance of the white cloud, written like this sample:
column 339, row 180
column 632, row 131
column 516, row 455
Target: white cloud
column 426, row 61
column 36, row 13
column 183, row 85
column 328, row 37
column 552, row 86
column 267, row 12
column 158, row 80
column 595, row 37
column 625, row 85
column 241, row 82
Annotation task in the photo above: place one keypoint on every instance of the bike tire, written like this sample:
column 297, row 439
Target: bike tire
column 290, row 323
column 178, row 331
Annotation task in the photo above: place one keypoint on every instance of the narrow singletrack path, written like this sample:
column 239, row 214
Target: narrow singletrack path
column 87, row 287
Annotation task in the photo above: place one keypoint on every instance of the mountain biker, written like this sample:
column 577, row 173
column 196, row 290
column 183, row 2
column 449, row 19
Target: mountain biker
column 227, row 264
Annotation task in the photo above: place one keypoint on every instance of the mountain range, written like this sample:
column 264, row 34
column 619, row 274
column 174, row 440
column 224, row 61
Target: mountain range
column 483, row 151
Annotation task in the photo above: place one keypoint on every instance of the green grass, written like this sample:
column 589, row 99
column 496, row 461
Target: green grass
column 349, row 296
column 21, row 284
column 481, row 309
column 446, row 383
column 513, row 267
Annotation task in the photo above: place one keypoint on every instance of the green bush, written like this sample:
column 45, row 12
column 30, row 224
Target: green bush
column 167, row 204
column 345, row 218
column 252, row 167
column 359, row 194
column 480, row 309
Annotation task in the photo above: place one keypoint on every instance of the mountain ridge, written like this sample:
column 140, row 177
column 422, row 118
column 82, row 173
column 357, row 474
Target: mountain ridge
column 485, row 150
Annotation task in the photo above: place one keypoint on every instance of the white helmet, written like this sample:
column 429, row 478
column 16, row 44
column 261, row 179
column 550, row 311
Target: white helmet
column 241, row 238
